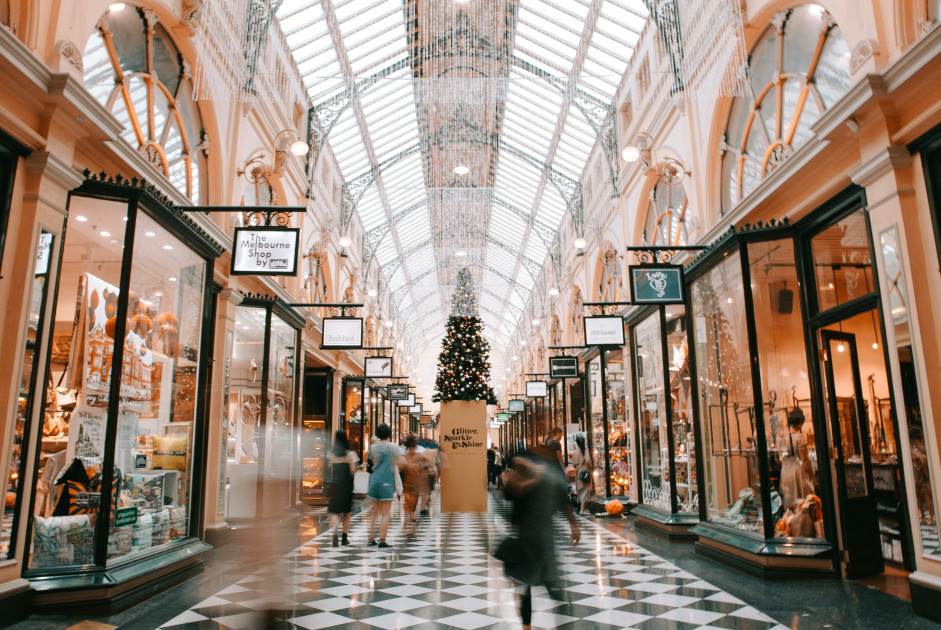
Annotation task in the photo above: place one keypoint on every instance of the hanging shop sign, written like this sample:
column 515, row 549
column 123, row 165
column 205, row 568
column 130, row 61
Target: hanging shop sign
column 416, row 409
column 657, row 284
column 399, row 391
column 408, row 401
column 517, row 405
column 605, row 330
column 563, row 367
column 342, row 333
column 503, row 416
column 537, row 389
column 265, row 251
column 428, row 421
column 378, row 367
column 43, row 253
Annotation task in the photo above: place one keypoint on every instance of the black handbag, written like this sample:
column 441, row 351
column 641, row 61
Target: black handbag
column 517, row 560
column 584, row 476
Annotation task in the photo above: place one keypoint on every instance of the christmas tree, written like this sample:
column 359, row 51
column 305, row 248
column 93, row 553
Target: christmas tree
column 464, row 362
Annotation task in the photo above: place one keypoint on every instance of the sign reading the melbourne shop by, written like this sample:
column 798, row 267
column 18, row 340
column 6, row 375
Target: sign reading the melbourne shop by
column 657, row 284
column 265, row 251
column 563, row 367
column 342, row 333
column 607, row 330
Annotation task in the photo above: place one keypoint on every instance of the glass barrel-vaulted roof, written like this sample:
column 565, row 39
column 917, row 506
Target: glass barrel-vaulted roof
column 516, row 91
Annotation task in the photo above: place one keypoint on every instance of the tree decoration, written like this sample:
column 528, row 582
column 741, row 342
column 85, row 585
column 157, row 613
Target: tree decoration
column 464, row 362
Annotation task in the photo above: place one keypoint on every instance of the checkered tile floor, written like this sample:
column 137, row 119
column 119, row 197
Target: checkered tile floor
column 446, row 578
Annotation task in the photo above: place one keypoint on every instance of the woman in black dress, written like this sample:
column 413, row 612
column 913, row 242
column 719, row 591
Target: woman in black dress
column 343, row 463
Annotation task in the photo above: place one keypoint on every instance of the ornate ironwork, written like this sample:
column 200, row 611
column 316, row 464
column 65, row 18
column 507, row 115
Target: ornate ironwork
column 259, row 14
column 604, row 308
column 566, row 351
column 336, row 310
column 652, row 254
column 267, row 217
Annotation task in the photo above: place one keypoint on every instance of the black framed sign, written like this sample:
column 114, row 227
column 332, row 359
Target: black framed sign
column 563, row 367
column 265, row 251
column 43, row 252
column 416, row 409
column 398, row 391
column 342, row 333
column 537, row 389
column 657, row 284
column 517, row 404
column 378, row 367
column 408, row 401
column 604, row 330
column 503, row 416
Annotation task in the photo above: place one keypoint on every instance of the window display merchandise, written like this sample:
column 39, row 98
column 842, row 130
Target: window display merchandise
column 115, row 476
column 610, row 435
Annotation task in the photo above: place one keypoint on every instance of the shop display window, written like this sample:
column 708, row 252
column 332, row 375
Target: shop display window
column 315, row 436
column 919, row 447
column 10, row 509
column 681, row 401
column 159, row 387
column 651, row 413
column 596, row 426
column 620, row 437
column 261, row 409
column 353, row 411
column 120, row 406
column 723, row 367
column 788, row 414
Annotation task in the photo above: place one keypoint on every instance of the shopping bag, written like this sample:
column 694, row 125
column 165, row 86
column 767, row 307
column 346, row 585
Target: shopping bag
column 361, row 482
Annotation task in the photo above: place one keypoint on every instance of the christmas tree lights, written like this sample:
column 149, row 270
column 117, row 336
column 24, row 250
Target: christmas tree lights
column 464, row 362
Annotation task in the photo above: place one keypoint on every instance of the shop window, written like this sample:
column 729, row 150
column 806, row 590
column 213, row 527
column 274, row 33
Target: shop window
column 920, row 448
column 353, row 400
column 782, row 359
column 666, row 216
column 730, row 459
column 798, row 69
column 842, row 262
column 10, row 509
column 609, row 283
column 596, row 426
column 651, row 413
column 9, row 152
column 134, row 69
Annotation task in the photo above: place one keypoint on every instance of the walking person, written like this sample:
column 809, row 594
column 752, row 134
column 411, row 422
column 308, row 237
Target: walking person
column 491, row 456
column 581, row 460
column 497, row 466
column 554, row 441
column 536, row 486
column 343, row 462
column 417, row 468
column 384, row 484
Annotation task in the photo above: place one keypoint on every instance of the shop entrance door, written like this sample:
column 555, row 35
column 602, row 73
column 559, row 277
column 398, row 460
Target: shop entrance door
column 847, row 411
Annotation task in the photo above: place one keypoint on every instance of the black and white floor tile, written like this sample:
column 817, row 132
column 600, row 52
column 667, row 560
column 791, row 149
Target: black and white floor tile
column 447, row 578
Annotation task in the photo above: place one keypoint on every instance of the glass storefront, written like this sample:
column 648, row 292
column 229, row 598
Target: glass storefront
column 122, row 417
column 262, row 400
column 610, row 437
column 663, row 395
column 316, row 431
column 351, row 415
column 596, row 426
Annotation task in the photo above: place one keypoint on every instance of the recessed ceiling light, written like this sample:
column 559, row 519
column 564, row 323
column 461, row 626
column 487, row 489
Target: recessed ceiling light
column 171, row 279
column 580, row 243
column 150, row 234
column 124, row 219
column 114, row 240
column 105, row 233
column 168, row 246
column 81, row 219
column 460, row 169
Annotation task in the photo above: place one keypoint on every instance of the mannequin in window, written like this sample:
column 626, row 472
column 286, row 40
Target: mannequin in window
column 797, row 474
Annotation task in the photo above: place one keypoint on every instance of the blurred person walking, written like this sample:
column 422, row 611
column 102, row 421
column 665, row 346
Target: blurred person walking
column 536, row 486
column 343, row 462
column 417, row 469
column 384, row 484
column 581, row 460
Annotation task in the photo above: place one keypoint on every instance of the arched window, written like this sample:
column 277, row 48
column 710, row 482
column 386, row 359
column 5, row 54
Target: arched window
column 316, row 281
column 666, row 216
column 133, row 68
column 798, row 69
